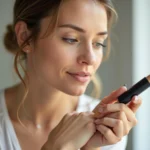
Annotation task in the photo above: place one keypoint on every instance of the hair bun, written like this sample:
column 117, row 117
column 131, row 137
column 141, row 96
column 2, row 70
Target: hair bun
column 10, row 42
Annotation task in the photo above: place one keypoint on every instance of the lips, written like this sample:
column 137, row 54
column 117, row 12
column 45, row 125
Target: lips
column 80, row 76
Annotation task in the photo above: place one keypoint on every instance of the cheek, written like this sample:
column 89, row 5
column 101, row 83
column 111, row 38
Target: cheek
column 98, row 59
column 57, row 54
column 52, row 54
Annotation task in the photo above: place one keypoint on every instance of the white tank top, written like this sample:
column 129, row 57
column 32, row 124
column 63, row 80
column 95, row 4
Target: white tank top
column 8, row 137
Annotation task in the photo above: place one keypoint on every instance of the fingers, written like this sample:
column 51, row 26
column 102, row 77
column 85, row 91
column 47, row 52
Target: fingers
column 113, row 96
column 88, row 116
column 68, row 115
column 111, row 108
column 135, row 103
column 108, row 134
column 121, row 116
column 115, row 124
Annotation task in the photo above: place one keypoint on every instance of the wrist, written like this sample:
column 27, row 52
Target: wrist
column 50, row 146
column 54, row 146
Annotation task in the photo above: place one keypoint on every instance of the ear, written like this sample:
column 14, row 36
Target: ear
column 22, row 33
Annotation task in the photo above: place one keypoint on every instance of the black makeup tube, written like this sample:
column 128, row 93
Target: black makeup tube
column 136, row 89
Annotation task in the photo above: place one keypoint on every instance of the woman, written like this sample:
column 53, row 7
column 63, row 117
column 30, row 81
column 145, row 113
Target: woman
column 62, row 45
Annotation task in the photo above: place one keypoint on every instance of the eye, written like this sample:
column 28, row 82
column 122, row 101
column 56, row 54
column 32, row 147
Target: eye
column 69, row 40
column 99, row 45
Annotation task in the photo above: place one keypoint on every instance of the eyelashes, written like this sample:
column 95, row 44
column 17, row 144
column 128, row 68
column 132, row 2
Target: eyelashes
column 70, row 41
column 74, row 41
column 99, row 45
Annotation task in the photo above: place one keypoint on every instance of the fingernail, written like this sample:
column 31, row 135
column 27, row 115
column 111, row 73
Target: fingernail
column 125, row 85
column 135, row 99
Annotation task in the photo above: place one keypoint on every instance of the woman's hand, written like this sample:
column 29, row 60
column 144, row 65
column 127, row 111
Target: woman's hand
column 119, row 114
column 73, row 131
column 114, row 119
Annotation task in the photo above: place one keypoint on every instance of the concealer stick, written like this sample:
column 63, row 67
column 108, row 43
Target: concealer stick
column 136, row 89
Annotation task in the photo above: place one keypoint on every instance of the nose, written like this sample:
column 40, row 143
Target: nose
column 87, row 55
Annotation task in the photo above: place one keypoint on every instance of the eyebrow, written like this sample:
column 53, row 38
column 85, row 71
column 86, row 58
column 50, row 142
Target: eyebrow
column 80, row 29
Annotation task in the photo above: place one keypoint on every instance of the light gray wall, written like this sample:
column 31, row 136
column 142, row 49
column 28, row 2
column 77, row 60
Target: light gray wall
column 114, row 73
column 118, row 69
column 6, row 60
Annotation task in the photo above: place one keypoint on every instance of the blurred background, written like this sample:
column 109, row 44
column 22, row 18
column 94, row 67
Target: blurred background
column 128, row 63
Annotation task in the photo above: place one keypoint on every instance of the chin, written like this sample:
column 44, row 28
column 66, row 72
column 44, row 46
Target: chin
column 73, row 89
column 76, row 92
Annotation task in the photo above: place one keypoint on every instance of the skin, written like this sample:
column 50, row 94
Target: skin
column 53, row 93
column 110, row 114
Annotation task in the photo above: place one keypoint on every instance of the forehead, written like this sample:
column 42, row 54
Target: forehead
column 85, row 13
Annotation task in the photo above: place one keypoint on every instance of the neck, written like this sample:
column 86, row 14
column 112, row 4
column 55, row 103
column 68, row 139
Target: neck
column 43, row 105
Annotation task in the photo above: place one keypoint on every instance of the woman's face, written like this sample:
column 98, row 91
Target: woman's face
column 67, row 60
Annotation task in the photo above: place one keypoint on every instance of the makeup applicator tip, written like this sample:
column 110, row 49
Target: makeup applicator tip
column 148, row 78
